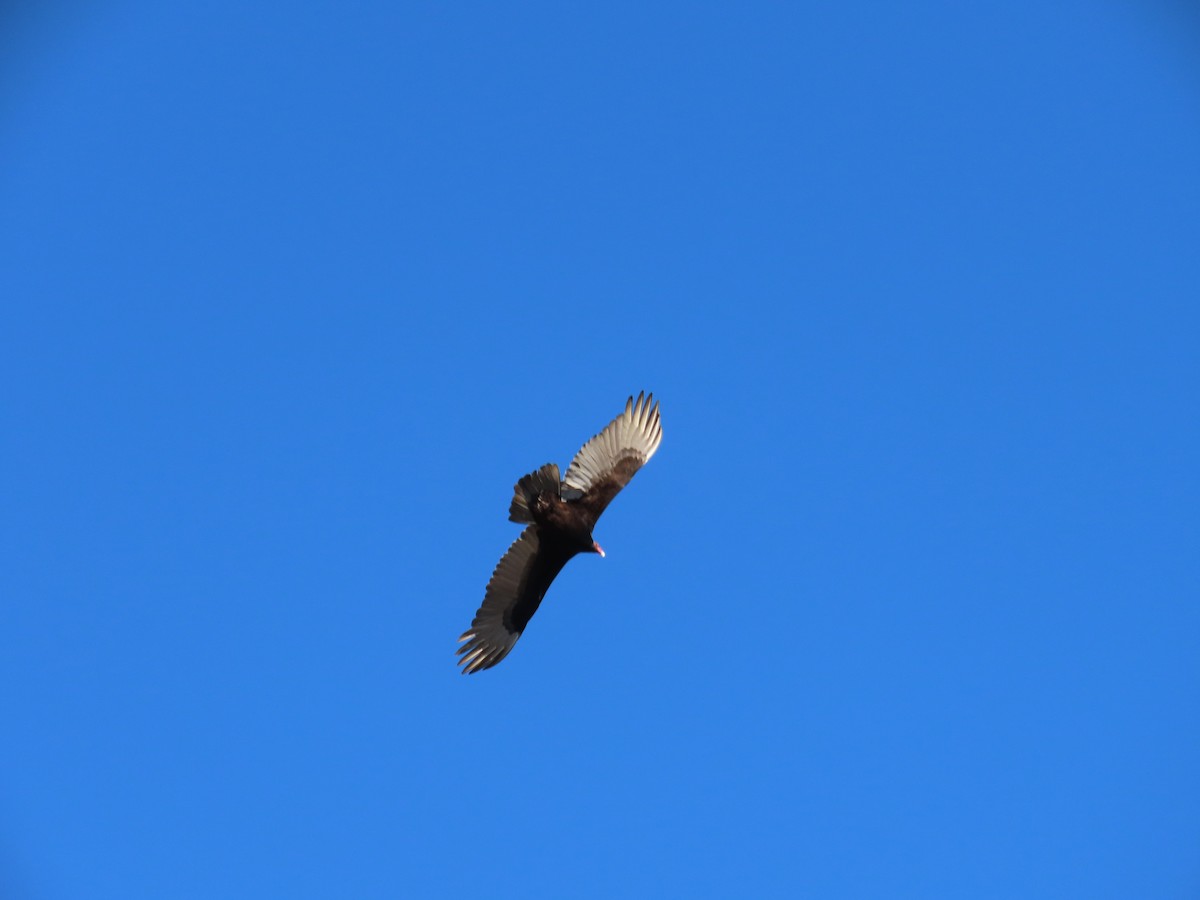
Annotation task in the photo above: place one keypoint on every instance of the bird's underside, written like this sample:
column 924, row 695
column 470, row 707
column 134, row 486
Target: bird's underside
column 559, row 515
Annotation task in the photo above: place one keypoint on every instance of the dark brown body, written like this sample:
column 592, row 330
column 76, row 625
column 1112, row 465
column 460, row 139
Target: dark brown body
column 565, row 523
column 563, row 529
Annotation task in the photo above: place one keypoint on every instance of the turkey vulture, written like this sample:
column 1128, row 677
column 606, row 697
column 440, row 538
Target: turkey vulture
column 560, row 519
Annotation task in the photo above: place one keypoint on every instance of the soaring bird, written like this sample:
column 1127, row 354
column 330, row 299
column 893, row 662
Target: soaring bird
column 560, row 516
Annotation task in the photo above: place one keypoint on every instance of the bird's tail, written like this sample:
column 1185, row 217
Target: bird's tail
column 526, row 490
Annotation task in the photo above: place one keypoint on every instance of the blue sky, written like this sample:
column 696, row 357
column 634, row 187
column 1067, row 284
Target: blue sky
column 906, row 604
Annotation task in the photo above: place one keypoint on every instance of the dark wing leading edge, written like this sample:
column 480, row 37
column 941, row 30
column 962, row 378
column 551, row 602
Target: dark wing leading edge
column 607, row 462
column 518, row 585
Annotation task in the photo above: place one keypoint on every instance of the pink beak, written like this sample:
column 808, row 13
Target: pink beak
column 598, row 548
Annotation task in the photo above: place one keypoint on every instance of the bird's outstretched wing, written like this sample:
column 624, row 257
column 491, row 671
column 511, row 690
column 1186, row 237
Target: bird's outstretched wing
column 607, row 462
column 518, row 585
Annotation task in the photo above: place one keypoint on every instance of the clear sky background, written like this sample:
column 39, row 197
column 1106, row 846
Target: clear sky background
column 905, row 606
